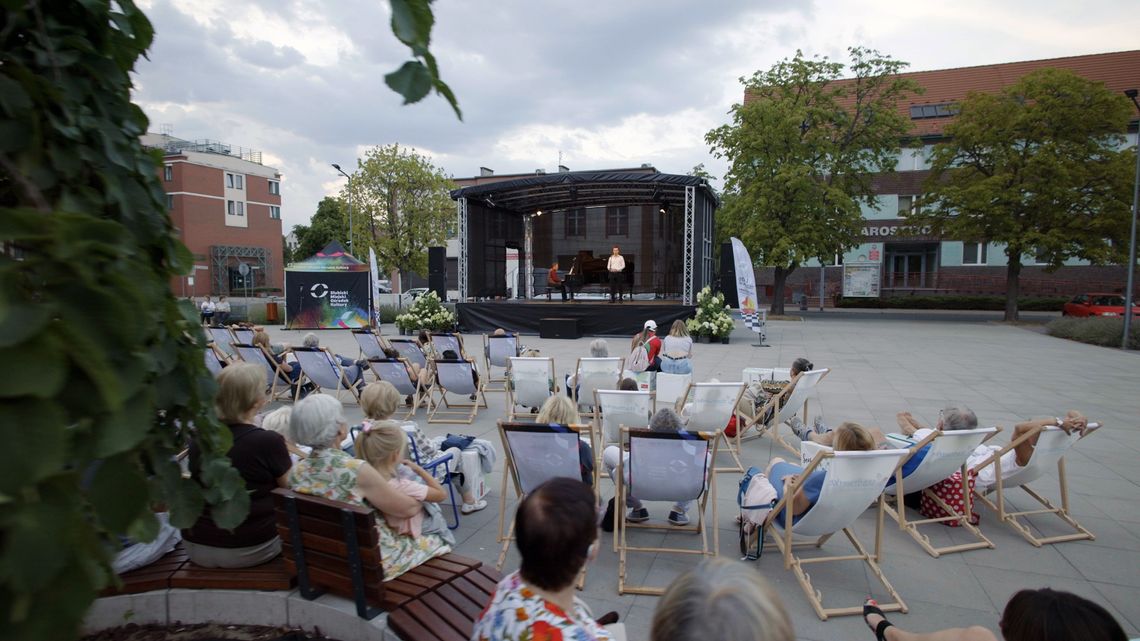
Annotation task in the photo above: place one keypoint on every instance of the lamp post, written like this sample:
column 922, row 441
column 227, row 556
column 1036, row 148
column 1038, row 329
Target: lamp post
column 1131, row 93
column 337, row 167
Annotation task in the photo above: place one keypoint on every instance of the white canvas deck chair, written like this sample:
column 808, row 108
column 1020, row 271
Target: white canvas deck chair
column 535, row 453
column 594, row 374
column 395, row 371
column 242, row 335
column 215, row 359
column 708, row 408
column 455, row 377
column 369, row 343
column 443, row 341
column 408, row 349
column 222, row 338
column 619, row 408
column 947, row 454
column 496, row 351
column 791, row 401
column 1052, row 445
column 671, row 387
column 275, row 375
column 531, row 382
column 319, row 367
column 665, row 466
column 854, row 481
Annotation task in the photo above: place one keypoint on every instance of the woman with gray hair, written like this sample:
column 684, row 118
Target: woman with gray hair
column 318, row 422
column 665, row 420
column 353, row 370
column 724, row 600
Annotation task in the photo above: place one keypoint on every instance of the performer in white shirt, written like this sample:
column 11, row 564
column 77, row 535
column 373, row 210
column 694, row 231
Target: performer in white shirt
column 615, row 265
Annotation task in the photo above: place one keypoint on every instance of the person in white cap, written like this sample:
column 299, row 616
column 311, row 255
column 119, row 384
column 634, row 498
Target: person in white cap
column 648, row 339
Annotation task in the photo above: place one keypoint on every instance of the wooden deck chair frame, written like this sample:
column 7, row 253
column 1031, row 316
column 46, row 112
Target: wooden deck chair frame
column 369, row 343
column 608, row 424
column 274, row 373
column 948, row 451
column 728, row 443
column 222, row 337
column 523, row 485
column 302, row 354
column 494, row 360
column 595, row 375
column 405, row 384
column 701, row 527
column 408, row 349
column 783, row 406
column 786, row 545
column 1052, row 445
column 521, row 365
column 441, row 410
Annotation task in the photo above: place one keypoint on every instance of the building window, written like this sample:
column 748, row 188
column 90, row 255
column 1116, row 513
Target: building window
column 274, row 188
column 275, row 212
column 575, row 223
column 939, row 110
column 974, row 253
column 617, row 221
column 234, row 181
column 169, row 202
column 907, row 205
column 168, row 173
column 235, row 208
column 1040, row 257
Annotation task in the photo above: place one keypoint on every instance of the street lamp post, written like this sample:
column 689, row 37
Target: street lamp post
column 1131, row 93
column 337, row 167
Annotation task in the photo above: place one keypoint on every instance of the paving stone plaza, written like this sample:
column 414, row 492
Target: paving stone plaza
column 880, row 367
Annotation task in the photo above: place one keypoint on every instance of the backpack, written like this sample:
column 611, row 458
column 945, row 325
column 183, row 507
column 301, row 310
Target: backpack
column 756, row 498
column 638, row 359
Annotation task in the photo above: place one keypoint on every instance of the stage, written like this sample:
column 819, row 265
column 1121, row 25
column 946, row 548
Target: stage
column 594, row 318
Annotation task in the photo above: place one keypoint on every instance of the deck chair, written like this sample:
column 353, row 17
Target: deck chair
column 215, row 358
column 947, row 454
column 369, row 343
column 274, row 374
column 531, row 382
column 395, row 371
column 535, row 453
column 443, row 341
column 242, row 335
column 455, row 377
column 409, row 349
column 665, row 466
column 496, row 351
column 319, row 367
column 1052, row 445
column 620, row 408
column 594, row 374
column 791, row 401
column 223, row 338
column 670, row 387
column 709, row 407
column 854, row 481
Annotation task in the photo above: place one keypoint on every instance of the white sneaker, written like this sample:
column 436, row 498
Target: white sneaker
column 468, row 508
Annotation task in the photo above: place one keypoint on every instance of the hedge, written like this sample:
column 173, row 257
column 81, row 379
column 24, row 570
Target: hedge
column 988, row 303
column 1102, row 331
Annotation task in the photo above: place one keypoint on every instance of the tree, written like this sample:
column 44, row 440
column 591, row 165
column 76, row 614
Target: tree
column 802, row 149
column 402, row 206
column 329, row 223
column 1038, row 167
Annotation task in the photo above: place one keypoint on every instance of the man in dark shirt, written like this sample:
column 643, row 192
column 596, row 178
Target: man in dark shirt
column 554, row 282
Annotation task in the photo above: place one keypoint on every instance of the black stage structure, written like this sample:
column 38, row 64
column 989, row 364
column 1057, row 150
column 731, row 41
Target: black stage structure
column 663, row 223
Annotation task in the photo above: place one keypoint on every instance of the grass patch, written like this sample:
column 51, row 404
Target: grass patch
column 1105, row 332
column 986, row 303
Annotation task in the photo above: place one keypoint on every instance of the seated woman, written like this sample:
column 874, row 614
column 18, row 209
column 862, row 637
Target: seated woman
column 421, row 375
column 755, row 396
column 450, row 355
column 560, row 410
column 1019, row 456
column 329, row 472
column 261, row 339
column 556, row 533
column 353, row 370
column 278, row 421
column 665, row 420
column 848, row 437
column 262, row 459
column 677, row 350
column 379, row 401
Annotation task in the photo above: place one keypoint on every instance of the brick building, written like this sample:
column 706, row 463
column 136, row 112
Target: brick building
column 226, row 206
column 928, row 264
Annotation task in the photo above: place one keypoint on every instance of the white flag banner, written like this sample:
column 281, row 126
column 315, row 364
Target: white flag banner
column 375, row 287
column 746, row 287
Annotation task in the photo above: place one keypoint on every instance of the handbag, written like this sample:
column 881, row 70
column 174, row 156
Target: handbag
column 756, row 497
column 950, row 491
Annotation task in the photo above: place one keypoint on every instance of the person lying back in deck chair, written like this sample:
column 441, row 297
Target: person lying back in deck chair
column 1018, row 457
column 848, row 437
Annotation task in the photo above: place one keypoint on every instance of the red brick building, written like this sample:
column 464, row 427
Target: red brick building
column 226, row 207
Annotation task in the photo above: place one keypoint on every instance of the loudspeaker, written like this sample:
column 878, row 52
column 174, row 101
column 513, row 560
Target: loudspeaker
column 438, row 284
column 437, row 261
column 728, row 275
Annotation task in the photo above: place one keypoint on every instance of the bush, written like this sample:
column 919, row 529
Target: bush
column 388, row 313
column 1105, row 332
column 988, row 303
column 426, row 313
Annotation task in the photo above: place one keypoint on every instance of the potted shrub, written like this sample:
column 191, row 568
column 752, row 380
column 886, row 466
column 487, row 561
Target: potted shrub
column 712, row 319
column 426, row 313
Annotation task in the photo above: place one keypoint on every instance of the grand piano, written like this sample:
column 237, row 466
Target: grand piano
column 587, row 269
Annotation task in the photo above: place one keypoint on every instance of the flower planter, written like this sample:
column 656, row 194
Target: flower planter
column 724, row 340
column 703, row 339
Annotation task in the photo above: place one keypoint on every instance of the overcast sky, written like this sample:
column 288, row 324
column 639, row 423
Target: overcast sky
column 607, row 84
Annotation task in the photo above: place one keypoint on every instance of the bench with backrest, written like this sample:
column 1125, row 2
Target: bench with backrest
column 174, row 570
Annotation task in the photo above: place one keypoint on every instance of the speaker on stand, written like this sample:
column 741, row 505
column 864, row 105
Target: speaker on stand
column 728, row 276
column 437, row 271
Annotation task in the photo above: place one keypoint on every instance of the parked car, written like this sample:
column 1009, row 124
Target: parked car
column 1084, row 305
column 416, row 292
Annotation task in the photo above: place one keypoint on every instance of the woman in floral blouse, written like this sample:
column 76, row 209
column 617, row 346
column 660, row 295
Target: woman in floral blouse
column 318, row 422
column 556, row 534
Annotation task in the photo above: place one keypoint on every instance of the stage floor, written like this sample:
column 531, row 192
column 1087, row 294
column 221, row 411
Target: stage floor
column 595, row 318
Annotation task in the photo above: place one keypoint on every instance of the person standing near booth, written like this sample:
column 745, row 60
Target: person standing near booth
column 615, row 266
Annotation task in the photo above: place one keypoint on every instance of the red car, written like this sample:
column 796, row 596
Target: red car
column 1097, row 305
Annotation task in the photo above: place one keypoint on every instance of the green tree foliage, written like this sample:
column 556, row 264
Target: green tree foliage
column 412, row 21
column 400, row 206
column 1038, row 167
column 802, row 149
column 329, row 223
column 104, row 379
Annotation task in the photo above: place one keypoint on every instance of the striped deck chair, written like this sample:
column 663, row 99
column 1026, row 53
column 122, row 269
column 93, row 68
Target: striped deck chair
column 530, row 382
column 319, row 367
column 396, row 372
column 455, row 377
column 215, row 358
column 369, row 343
column 274, row 373
column 708, row 407
column 854, row 480
column 443, row 341
column 496, row 351
column 791, row 401
column 594, row 374
column 665, row 466
column 223, row 338
column 947, row 454
column 409, row 349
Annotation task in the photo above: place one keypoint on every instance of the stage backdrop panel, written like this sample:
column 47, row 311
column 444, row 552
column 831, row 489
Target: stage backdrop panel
column 327, row 291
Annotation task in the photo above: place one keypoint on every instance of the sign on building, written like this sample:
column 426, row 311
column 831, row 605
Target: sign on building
column 861, row 280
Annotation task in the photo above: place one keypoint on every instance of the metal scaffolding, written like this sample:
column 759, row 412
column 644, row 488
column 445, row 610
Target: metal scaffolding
column 461, row 207
column 528, row 265
column 220, row 256
column 688, row 244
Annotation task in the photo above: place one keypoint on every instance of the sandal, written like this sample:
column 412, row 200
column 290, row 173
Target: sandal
column 870, row 606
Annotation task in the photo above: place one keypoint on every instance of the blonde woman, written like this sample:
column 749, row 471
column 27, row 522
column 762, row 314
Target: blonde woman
column 278, row 421
column 561, row 410
column 724, row 600
column 677, row 350
column 848, row 437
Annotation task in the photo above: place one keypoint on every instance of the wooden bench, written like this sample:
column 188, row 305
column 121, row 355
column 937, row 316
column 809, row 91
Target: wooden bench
column 174, row 570
column 447, row 613
column 155, row 576
column 334, row 547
